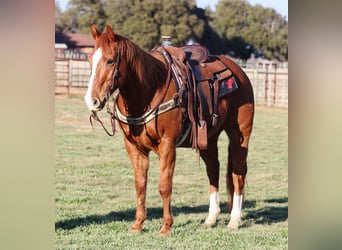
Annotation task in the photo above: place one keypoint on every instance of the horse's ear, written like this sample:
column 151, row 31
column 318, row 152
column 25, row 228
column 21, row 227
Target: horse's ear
column 94, row 31
column 110, row 32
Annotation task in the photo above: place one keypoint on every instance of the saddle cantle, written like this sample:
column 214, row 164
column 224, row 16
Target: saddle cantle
column 200, row 78
column 196, row 52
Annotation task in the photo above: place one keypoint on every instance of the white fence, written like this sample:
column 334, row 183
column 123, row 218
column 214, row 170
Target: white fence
column 269, row 80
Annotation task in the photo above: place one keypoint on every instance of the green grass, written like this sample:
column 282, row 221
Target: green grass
column 95, row 194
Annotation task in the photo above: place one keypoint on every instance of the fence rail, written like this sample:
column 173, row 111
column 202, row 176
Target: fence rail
column 270, row 84
column 269, row 80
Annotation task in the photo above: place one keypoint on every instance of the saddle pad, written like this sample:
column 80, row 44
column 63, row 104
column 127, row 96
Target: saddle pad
column 227, row 86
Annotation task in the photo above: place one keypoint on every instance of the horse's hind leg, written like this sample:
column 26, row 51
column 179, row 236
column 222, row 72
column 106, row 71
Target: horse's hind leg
column 210, row 157
column 237, row 170
column 239, row 132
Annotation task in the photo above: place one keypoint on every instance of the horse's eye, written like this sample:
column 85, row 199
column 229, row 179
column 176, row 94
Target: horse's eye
column 110, row 61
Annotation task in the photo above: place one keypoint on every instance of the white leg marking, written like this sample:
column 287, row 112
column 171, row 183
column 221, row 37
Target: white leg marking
column 214, row 202
column 214, row 209
column 235, row 215
column 96, row 58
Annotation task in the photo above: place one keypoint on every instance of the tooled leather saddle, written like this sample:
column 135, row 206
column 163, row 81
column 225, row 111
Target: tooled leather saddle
column 201, row 79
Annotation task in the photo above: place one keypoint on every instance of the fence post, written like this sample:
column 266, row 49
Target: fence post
column 255, row 80
column 275, row 84
column 69, row 76
column 266, row 85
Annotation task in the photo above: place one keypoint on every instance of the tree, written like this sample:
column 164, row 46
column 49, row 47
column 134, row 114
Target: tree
column 144, row 22
column 236, row 27
column 135, row 20
column 58, row 19
column 209, row 37
column 250, row 29
column 81, row 13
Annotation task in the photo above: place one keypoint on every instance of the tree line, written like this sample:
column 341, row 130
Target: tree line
column 236, row 27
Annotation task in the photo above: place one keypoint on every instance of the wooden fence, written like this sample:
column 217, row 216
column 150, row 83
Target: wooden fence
column 270, row 83
column 72, row 73
column 269, row 80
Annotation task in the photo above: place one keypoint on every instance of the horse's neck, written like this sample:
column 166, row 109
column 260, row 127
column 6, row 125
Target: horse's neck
column 146, row 77
column 135, row 96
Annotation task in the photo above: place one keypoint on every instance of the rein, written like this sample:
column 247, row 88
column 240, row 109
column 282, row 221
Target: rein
column 96, row 118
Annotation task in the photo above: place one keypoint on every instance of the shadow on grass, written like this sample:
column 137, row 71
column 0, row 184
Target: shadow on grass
column 127, row 215
column 273, row 213
column 69, row 224
column 262, row 216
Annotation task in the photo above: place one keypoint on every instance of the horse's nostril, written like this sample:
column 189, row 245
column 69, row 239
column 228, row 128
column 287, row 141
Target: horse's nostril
column 96, row 102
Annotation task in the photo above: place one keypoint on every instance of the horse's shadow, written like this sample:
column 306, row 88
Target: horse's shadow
column 265, row 215
column 273, row 213
column 127, row 215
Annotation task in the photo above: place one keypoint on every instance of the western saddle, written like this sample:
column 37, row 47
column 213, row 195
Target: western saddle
column 201, row 79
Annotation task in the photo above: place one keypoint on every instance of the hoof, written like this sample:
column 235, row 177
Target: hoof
column 233, row 226
column 234, row 223
column 136, row 228
column 165, row 231
column 135, row 231
column 211, row 219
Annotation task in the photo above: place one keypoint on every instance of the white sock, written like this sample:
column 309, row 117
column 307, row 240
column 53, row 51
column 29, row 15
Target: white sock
column 214, row 202
column 237, row 205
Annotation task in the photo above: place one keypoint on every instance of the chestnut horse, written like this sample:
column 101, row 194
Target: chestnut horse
column 142, row 82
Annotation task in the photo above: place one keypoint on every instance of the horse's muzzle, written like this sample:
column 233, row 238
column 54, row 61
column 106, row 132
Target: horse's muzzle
column 96, row 104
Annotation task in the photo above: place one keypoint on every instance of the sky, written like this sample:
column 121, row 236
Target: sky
column 281, row 6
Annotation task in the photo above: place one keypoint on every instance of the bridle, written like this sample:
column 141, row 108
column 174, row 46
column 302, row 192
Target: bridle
column 116, row 114
column 110, row 88
column 115, row 75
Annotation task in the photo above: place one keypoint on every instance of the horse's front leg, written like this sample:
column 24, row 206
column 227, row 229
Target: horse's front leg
column 140, row 164
column 167, row 158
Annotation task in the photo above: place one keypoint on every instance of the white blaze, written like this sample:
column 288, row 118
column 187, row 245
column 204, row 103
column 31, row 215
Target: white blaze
column 96, row 58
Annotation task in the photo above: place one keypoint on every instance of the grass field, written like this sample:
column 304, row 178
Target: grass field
column 95, row 194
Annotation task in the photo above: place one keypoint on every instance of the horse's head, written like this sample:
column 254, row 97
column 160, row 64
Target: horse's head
column 104, row 63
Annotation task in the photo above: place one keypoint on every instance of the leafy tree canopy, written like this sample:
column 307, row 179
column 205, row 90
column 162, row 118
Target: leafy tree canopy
column 236, row 27
column 81, row 13
column 146, row 21
column 250, row 29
